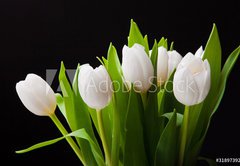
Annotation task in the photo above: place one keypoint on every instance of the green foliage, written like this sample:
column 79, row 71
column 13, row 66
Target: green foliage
column 166, row 153
column 76, row 112
column 81, row 133
column 134, row 154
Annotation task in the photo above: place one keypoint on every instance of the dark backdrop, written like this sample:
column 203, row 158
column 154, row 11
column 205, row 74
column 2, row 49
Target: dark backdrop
column 37, row 34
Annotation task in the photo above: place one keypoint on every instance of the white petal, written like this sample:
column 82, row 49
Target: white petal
column 105, row 83
column 138, row 47
column 184, row 87
column 147, row 70
column 199, row 52
column 205, row 81
column 95, row 97
column 196, row 65
column 83, row 79
column 174, row 58
column 187, row 59
column 162, row 65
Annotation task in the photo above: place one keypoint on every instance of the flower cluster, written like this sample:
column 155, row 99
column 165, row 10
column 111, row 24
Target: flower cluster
column 154, row 108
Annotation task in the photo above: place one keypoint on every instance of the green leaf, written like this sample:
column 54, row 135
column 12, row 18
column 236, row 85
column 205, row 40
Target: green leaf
column 97, row 153
column 166, row 96
column 60, row 104
column 135, row 36
column 146, row 44
column 119, row 107
column 134, row 154
column 154, row 56
column 81, row 133
column 213, row 54
column 166, row 44
column 77, row 112
column 163, row 42
column 171, row 46
column 67, row 97
column 120, row 94
column 105, row 62
column 223, row 80
column 179, row 117
column 100, row 60
column 40, row 145
column 150, row 114
column 107, row 114
column 199, row 114
column 93, row 115
column 166, row 153
column 224, row 75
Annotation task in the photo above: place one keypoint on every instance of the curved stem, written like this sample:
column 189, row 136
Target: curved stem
column 69, row 139
column 103, row 137
column 183, row 136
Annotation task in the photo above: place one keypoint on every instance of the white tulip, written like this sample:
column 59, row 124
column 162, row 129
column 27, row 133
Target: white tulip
column 36, row 95
column 95, row 86
column 167, row 62
column 137, row 67
column 174, row 58
column 191, row 82
column 162, row 65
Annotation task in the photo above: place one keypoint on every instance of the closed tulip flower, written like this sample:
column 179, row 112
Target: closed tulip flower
column 137, row 67
column 162, row 65
column 191, row 82
column 167, row 62
column 36, row 95
column 174, row 58
column 95, row 86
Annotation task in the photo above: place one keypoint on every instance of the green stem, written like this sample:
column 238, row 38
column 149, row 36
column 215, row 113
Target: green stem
column 103, row 137
column 115, row 137
column 69, row 139
column 183, row 136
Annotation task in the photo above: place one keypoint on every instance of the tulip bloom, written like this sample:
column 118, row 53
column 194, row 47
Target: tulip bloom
column 137, row 67
column 174, row 58
column 162, row 65
column 166, row 63
column 95, row 86
column 191, row 82
column 36, row 95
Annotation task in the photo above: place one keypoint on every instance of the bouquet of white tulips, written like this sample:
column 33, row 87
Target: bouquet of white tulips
column 152, row 109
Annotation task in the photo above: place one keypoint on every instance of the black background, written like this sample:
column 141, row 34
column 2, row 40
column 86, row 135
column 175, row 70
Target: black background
column 37, row 34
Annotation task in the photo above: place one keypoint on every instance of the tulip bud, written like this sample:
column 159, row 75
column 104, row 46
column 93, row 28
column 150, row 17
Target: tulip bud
column 36, row 95
column 191, row 82
column 95, row 86
column 162, row 65
column 167, row 62
column 174, row 58
column 137, row 67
